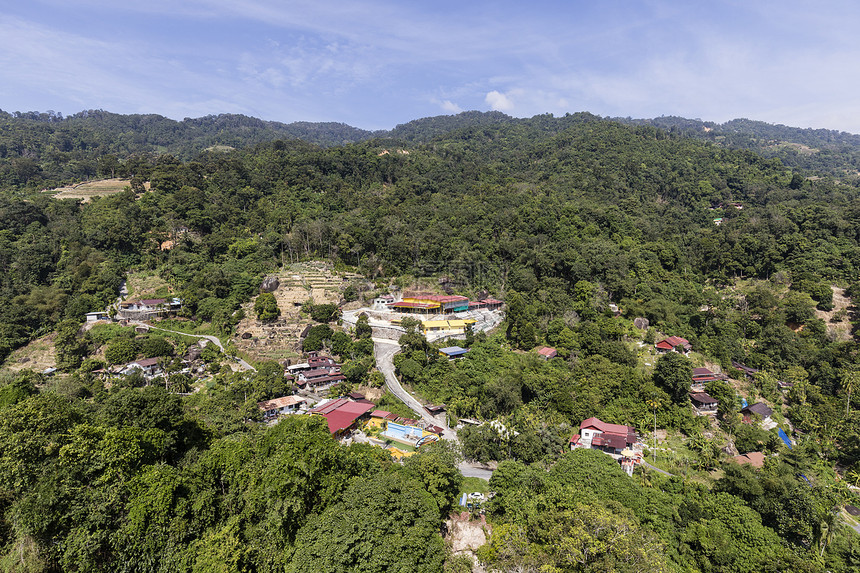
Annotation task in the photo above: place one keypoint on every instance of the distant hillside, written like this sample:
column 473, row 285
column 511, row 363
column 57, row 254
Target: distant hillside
column 427, row 128
column 823, row 151
column 46, row 150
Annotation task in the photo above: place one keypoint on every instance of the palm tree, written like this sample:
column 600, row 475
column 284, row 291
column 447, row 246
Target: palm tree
column 850, row 382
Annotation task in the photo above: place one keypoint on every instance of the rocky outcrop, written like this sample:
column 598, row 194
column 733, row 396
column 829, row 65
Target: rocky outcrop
column 270, row 284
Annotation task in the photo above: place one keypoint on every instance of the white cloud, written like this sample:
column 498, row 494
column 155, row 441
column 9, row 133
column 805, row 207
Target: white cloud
column 448, row 105
column 499, row 101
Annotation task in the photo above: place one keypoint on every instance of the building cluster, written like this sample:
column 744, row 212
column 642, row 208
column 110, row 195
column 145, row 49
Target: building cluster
column 317, row 373
column 619, row 441
column 148, row 308
column 346, row 414
column 703, row 403
column 429, row 303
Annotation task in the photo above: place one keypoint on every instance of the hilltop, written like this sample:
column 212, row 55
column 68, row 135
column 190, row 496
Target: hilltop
column 49, row 150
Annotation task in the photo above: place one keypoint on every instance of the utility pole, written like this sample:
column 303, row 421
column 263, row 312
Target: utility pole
column 654, row 404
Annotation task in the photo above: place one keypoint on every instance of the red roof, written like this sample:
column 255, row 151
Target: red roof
column 379, row 414
column 329, row 406
column 702, row 372
column 599, row 425
column 616, row 441
column 441, row 298
column 548, row 352
column 672, row 342
column 414, row 305
column 342, row 413
column 625, row 433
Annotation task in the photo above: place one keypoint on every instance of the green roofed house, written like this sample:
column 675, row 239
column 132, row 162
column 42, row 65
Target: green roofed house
column 452, row 352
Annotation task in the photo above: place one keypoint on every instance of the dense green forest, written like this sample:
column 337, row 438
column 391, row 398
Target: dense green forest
column 559, row 216
column 818, row 150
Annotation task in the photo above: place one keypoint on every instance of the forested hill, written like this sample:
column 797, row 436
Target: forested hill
column 50, row 148
column 581, row 225
column 820, row 151
column 534, row 206
column 44, row 150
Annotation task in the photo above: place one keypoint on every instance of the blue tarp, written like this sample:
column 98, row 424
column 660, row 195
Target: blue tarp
column 785, row 438
column 744, row 403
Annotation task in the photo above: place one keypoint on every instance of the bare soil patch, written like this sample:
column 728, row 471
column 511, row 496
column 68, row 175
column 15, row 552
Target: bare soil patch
column 37, row 355
column 90, row 189
column 465, row 534
column 841, row 329
column 281, row 339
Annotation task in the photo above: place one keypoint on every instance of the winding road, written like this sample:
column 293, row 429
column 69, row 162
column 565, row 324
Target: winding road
column 384, row 351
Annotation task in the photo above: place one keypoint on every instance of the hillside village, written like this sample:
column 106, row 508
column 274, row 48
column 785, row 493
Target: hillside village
column 515, row 343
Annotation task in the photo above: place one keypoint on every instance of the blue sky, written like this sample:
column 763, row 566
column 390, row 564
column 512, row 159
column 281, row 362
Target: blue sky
column 377, row 64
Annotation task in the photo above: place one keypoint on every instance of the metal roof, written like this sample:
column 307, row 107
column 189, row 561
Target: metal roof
column 453, row 351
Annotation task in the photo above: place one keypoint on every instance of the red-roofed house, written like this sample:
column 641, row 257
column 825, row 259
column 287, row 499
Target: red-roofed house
column 673, row 342
column 610, row 438
column 342, row 414
column 279, row 406
column 546, row 352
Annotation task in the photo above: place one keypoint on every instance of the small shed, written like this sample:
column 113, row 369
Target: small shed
column 703, row 404
column 453, row 352
column 759, row 409
column 547, row 352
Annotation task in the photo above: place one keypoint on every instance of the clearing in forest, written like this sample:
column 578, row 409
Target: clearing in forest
column 281, row 339
column 90, row 189
column 37, row 355
column 840, row 328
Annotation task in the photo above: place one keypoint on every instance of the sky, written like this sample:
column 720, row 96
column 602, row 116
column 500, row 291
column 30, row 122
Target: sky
column 374, row 65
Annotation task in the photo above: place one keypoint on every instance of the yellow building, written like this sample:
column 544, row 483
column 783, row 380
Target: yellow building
column 458, row 326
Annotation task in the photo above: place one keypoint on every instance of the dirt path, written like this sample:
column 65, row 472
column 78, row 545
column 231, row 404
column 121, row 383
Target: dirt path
column 214, row 340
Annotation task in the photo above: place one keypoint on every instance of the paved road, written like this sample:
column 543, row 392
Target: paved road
column 213, row 339
column 384, row 350
column 656, row 469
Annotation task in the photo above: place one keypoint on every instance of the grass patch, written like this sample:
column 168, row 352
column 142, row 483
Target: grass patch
column 472, row 484
column 675, row 457
column 147, row 285
column 104, row 333
column 390, row 403
column 189, row 327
